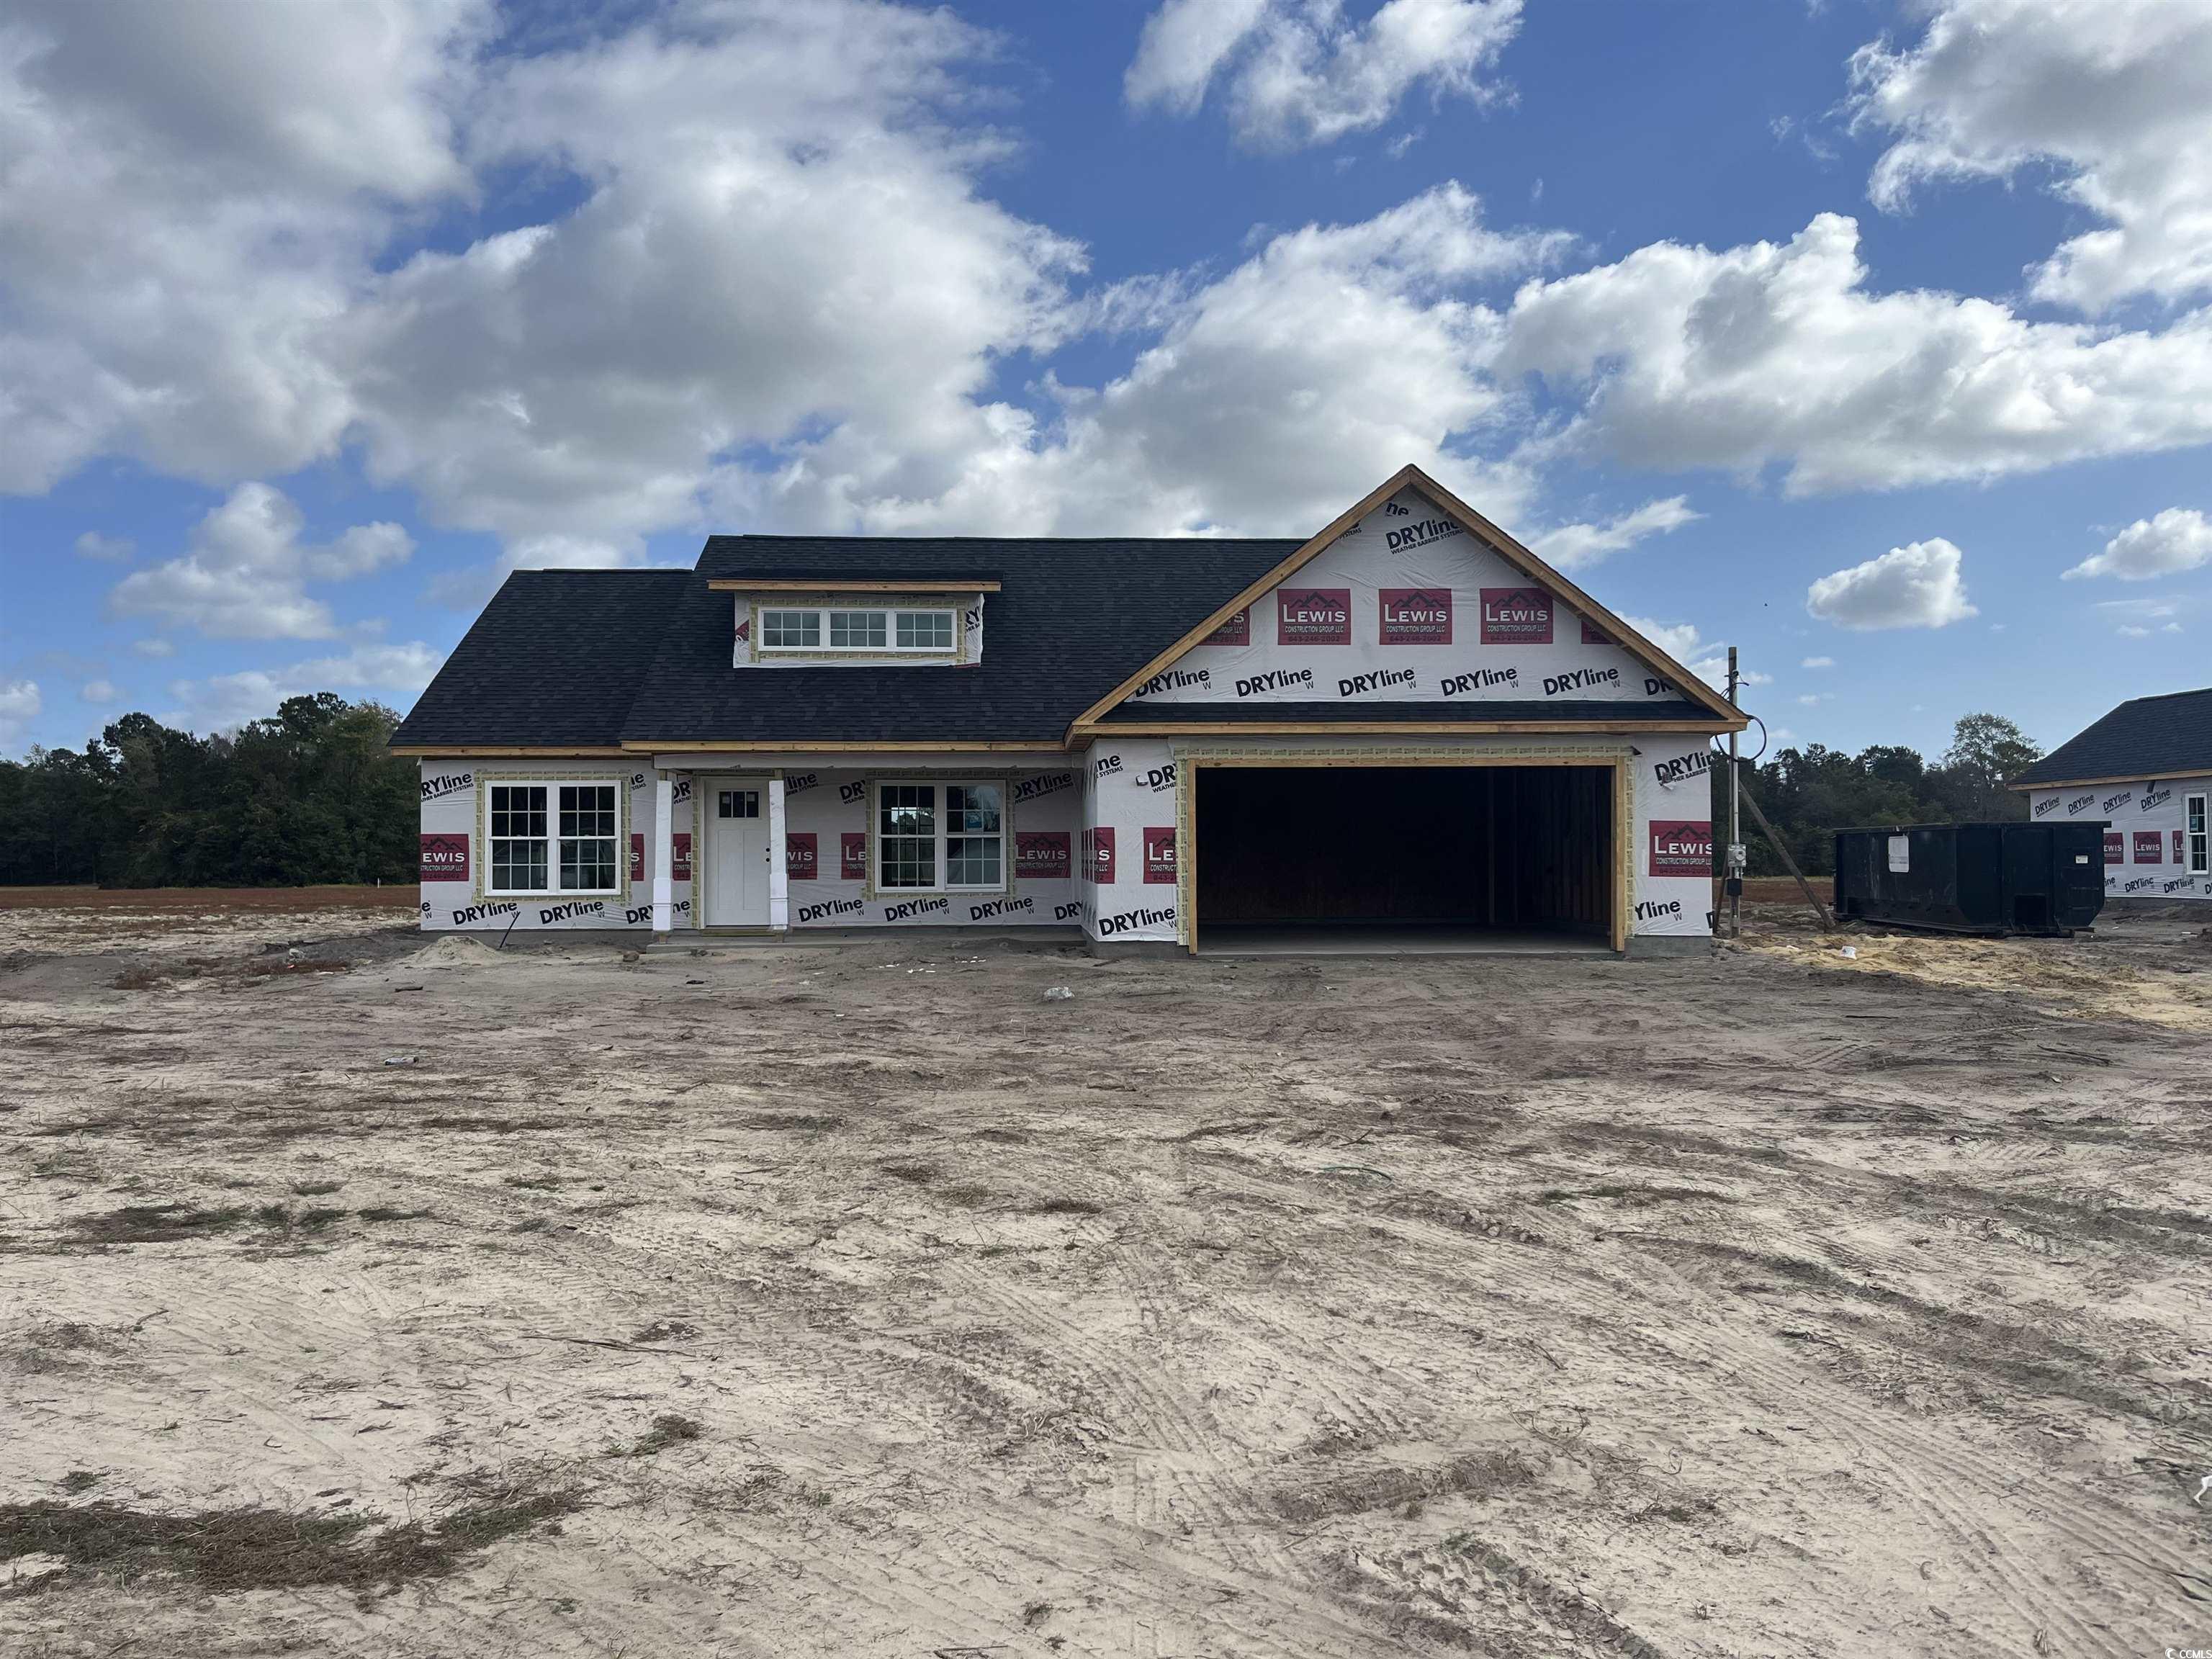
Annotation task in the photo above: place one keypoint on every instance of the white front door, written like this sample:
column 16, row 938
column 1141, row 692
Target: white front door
column 738, row 856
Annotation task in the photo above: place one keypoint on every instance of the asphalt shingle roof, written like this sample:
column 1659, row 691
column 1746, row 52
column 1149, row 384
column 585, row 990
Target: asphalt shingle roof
column 2149, row 736
column 555, row 660
column 587, row 659
column 1071, row 620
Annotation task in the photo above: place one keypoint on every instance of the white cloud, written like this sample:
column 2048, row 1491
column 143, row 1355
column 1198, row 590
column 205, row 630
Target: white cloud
column 1818, row 662
column 1918, row 586
column 113, row 548
column 1300, row 72
column 2110, row 95
column 227, row 701
column 1707, row 659
column 1219, row 424
column 244, row 576
column 153, row 647
column 189, row 198
column 20, row 703
column 98, row 691
column 1571, row 545
column 2179, row 538
column 1767, row 355
column 1809, row 698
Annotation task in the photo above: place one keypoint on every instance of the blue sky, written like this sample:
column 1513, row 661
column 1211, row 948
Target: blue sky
column 1840, row 332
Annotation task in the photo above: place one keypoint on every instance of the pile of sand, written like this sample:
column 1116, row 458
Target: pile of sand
column 453, row 952
column 2067, row 976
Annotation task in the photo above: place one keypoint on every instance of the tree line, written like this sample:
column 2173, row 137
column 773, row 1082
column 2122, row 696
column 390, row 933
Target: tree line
column 308, row 795
column 311, row 795
column 1809, row 792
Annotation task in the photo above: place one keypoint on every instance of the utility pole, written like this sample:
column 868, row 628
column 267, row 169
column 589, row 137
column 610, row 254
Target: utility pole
column 1732, row 884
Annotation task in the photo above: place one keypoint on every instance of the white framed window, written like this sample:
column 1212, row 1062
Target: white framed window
column 940, row 837
column 554, row 837
column 736, row 803
column 2200, row 852
column 791, row 630
column 830, row 630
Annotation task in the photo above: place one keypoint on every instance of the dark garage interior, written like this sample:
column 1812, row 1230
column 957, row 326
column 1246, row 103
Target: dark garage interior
column 1517, row 849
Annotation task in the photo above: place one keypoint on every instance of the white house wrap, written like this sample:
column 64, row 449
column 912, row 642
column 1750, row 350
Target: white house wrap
column 1407, row 722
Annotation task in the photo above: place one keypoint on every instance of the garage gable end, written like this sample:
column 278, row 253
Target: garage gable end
column 1413, row 598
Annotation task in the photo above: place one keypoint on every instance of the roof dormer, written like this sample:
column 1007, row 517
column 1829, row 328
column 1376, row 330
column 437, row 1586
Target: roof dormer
column 820, row 621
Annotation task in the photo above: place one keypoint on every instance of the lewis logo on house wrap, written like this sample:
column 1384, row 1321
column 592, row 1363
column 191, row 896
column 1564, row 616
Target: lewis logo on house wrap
column 2150, row 847
column 1159, row 855
column 1234, row 630
column 679, row 856
column 1098, row 856
column 801, row 855
column 1051, row 783
column 451, row 783
column 853, row 855
column 2177, row 857
column 1313, row 616
column 1414, row 615
column 637, row 857
column 1682, row 846
column 1041, row 856
column 1516, row 615
column 2115, row 847
column 446, row 858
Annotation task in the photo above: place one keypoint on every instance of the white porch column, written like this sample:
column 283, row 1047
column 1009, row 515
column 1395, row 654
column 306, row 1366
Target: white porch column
column 779, row 876
column 664, row 851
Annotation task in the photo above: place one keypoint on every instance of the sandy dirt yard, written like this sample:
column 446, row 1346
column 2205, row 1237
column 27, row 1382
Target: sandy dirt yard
column 383, row 1298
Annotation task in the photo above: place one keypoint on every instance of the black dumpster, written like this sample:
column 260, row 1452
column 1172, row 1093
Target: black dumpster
column 1973, row 877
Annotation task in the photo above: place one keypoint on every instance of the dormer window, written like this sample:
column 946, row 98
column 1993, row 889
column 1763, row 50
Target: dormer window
column 830, row 629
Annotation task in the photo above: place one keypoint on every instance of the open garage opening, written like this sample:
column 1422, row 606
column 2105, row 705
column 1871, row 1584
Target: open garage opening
column 1411, row 858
